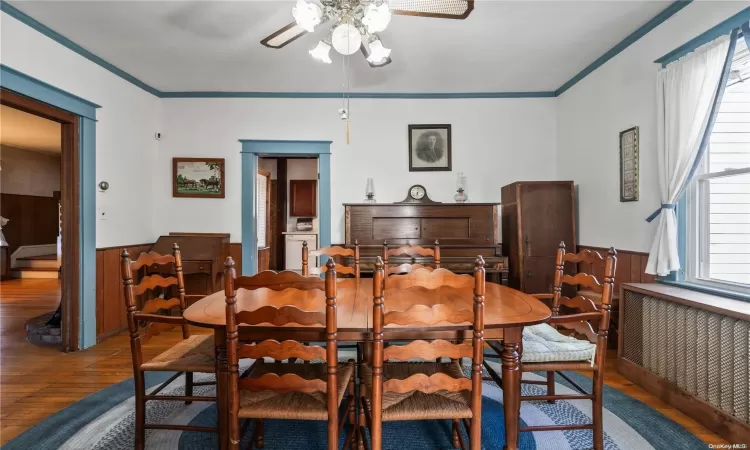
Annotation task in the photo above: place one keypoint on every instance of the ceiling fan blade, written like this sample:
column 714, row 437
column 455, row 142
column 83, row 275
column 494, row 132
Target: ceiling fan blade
column 283, row 36
column 366, row 52
column 439, row 9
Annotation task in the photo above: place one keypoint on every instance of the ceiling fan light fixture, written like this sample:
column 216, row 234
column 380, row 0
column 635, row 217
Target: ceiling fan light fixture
column 376, row 18
column 307, row 15
column 378, row 53
column 346, row 38
column 320, row 52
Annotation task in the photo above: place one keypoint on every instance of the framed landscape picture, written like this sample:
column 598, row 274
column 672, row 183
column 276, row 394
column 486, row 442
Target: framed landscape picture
column 629, row 165
column 429, row 148
column 198, row 177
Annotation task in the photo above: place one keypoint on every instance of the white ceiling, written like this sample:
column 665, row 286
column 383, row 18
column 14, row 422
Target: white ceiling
column 503, row 46
column 23, row 130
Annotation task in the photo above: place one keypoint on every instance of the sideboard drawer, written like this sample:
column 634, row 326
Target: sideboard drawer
column 196, row 267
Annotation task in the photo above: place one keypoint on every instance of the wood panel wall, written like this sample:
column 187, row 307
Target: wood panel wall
column 33, row 220
column 110, row 298
column 631, row 267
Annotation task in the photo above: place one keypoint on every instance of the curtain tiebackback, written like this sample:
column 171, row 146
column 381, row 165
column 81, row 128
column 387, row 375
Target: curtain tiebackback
column 656, row 213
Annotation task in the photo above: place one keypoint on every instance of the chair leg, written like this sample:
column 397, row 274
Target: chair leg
column 259, row 436
column 596, row 406
column 551, row 385
column 353, row 413
column 456, row 432
column 188, row 386
column 140, row 411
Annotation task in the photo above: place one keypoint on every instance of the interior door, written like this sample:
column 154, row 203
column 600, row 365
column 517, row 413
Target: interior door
column 264, row 209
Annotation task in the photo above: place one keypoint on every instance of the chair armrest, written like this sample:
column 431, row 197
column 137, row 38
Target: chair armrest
column 542, row 296
column 175, row 320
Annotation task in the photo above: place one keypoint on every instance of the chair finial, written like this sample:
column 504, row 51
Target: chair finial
column 330, row 265
column 304, row 243
column 612, row 251
column 562, row 244
column 175, row 247
column 356, row 242
column 125, row 253
column 479, row 262
column 437, row 243
column 229, row 263
column 378, row 263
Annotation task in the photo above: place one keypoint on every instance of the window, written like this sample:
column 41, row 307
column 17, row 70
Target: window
column 718, row 198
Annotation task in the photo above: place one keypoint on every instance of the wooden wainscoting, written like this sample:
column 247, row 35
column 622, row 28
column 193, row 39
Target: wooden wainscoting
column 33, row 220
column 631, row 267
column 235, row 251
column 110, row 297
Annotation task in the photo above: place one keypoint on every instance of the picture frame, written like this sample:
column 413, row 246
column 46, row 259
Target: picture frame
column 629, row 166
column 198, row 177
column 430, row 148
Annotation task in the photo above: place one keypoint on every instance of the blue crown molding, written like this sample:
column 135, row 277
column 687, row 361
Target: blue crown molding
column 62, row 40
column 723, row 28
column 378, row 95
column 625, row 43
column 633, row 37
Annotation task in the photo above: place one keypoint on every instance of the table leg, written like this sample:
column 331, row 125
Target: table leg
column 222, row 372
column 511, row 358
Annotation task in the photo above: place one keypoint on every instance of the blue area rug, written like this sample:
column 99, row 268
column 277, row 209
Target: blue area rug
column 104, row 420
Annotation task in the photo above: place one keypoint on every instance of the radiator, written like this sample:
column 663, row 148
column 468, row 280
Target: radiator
column 703, row 353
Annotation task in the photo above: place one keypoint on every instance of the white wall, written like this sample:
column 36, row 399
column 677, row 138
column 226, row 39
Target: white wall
column 125, row 145
column 618, row 95
column 26, row 172
column 495, row 141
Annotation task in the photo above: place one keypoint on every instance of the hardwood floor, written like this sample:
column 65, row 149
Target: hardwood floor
column 37, row 381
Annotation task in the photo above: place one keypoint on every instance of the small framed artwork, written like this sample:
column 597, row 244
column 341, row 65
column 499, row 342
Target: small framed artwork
column 629, row 165
column 198, row 177
column 429, row 148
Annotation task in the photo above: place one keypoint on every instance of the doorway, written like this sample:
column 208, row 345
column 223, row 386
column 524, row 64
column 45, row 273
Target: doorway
column 308, row 153
column 77, row 119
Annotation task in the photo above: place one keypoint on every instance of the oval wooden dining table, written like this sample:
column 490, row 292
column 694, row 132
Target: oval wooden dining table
column 507, row 311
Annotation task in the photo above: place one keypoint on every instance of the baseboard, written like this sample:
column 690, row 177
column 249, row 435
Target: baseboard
column 715, row 420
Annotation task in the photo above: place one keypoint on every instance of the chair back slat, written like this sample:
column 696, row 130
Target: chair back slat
column 583, row 279
column 412, row 251
column 281, row 350
column 429, row 280
column 285, row 383
column 335, row 251
column 428, row 384
column 155, row 313
column 151, row 258
column 428, row 315
column 281, row 316
column 578, row 303
column 428, row 350
column 583, row 328
column 160, row 304
column 151, row 282
column 584, row 256
column 404, row 269
column 278, row 281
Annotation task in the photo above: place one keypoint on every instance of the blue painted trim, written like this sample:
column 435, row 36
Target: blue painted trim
column 625, row 43
column 707, row 289
column 87, row 233
column 250, row 150
column 62, row 40
column 377, row 95
column 249, row 217
column 19, row 82
column 31, row 87
column 721, row 29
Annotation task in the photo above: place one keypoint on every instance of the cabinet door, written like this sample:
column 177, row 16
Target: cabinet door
column 302, row 198
column 547, row 218
column 538, row 275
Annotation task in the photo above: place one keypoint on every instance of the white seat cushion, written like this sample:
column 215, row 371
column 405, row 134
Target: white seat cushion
column 543, row 343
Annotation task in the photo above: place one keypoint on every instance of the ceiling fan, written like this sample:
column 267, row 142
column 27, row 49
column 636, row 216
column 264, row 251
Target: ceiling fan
column 356, row 24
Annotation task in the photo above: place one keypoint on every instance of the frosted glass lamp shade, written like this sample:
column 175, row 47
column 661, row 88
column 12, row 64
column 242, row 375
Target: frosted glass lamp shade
column 307, row 15
column 321, row 52
column 346, row 38
column 378, row 53
column 376, row 18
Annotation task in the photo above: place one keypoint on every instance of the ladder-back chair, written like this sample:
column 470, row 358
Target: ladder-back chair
column 330, row 252
column 578, row 316
column 413, row 252
column 425, row 390
column 291, row 391
column 192, row 354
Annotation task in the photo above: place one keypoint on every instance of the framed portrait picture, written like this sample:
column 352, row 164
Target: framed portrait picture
column 629, row 165
column 198, row 177
column 429, row 148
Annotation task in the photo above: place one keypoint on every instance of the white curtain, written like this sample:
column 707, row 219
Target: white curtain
column 685, row 94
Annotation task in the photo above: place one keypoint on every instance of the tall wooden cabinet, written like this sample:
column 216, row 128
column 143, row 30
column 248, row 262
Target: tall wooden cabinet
column 536, row 217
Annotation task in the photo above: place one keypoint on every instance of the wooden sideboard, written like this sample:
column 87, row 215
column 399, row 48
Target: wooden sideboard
column 464, row 231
